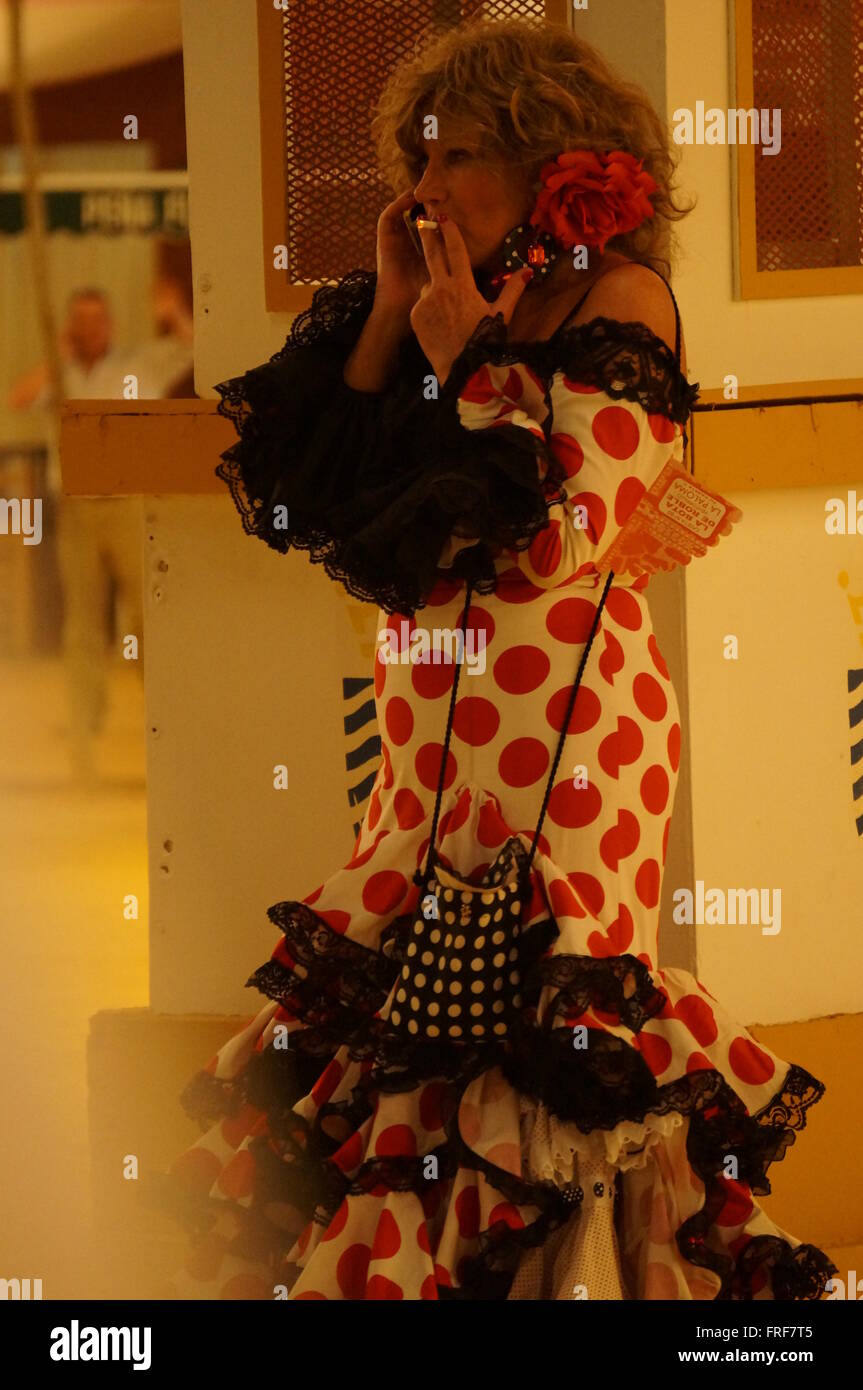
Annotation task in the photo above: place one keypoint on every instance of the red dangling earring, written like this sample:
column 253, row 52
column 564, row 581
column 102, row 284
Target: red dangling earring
column 540, row 254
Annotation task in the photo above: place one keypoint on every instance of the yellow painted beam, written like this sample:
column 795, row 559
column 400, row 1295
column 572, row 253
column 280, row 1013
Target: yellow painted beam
column 779, row 446
column 127, row 448
column 783, row 390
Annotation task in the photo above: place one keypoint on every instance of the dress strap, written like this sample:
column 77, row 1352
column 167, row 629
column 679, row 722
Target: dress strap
column 421, row 875
column 572, row 313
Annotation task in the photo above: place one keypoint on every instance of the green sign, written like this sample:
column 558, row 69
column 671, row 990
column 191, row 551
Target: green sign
column 104, row 211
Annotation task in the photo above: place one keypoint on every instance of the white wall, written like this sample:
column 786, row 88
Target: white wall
column 771, row 772
column 777, row 340
column 245, row 654
column 245, row 649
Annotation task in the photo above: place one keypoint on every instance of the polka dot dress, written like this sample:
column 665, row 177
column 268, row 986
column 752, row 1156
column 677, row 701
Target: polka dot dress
column 437, row 1188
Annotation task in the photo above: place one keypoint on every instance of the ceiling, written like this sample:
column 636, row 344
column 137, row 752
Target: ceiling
column 69, row 39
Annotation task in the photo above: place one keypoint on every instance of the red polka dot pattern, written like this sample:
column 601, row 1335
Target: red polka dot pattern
column 598, row 873
column 657, row 657
column 624, row 609
column 396, row 1140
column 383, row 892
column 696, row 1061
column 338, row 1223
column 621, row 840
column 573, row 809
column 585, row 714
column 661, row 428
column 359, row 860
column 351, row 1271
column 616, row 431
column 570, row 620
column 467, row 1212
column 427, row 765
column 590, row 890
column 387, row 1238
column 434, row 1107
column 546, row 549
column 697, row 1014
column 649, row 696
column 432, row 680
column 520, row 670
column 476, row 720
column 673, row 745
column 408, row 809
column 656, row 1052
column 627, row 498
column 647, row 881
column 569, row 452
column 399, row 720
column 750, row 1062
column 738, row 1205
column 453, row 820
column 523, row 762
column 611, row 659
column 380, row 678
column 564, row 902
column 654, row 789
column 380, row 1288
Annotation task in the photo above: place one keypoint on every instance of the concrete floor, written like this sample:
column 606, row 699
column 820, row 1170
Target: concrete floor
column 68, row 858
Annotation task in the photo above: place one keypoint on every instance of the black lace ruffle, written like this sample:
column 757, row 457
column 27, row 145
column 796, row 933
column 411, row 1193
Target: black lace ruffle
column 338, row 988
column 619, row 985
column 625, row 360
column 374, row 485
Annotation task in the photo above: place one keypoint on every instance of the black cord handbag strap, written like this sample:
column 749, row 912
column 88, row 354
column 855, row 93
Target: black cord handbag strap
column 421, row 876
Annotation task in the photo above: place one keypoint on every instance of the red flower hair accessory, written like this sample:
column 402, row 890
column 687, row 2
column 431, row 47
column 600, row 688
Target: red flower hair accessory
column 588, row 197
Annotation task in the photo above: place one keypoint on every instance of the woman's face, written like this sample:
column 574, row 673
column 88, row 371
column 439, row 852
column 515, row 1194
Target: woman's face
column 484, row 199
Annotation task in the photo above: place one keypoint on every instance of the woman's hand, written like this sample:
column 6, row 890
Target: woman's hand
column 450, row 306
column 401, row 272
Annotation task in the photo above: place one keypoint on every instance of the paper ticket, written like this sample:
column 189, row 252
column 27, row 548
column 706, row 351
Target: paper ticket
column 676, row 519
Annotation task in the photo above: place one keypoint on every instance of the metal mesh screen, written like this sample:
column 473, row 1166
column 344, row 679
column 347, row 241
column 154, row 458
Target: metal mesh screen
column 336, row 61
column 808, row 62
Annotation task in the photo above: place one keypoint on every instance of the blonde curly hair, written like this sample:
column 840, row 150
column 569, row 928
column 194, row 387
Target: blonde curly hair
column 532, row 90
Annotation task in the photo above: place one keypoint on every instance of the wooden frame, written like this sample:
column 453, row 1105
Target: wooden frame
column 278, row 295
column 799, row 434
column 804, row 434
column 768, row 284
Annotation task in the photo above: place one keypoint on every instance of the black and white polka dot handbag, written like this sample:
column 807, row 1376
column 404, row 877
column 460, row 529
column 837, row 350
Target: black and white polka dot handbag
column 462, row 976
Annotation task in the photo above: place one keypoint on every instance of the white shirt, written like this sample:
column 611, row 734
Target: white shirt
column 157, row 364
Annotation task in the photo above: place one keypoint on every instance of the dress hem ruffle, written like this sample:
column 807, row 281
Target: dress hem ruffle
column 330, row 998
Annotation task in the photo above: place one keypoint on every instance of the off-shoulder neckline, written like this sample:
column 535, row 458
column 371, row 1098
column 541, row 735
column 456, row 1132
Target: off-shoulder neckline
column 623, row 358
column 580, row 329
column 597, row 328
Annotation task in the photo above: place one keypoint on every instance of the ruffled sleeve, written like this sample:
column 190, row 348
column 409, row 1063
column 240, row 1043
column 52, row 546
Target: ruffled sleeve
column 390, row 491
column 374, row 486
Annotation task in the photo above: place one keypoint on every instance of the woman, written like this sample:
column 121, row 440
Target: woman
column 435, row 431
